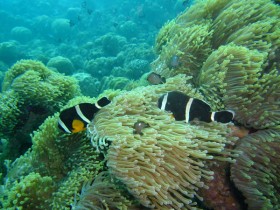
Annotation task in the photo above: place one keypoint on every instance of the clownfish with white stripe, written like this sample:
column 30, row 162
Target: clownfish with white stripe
column 186, row 108
column 76, row 118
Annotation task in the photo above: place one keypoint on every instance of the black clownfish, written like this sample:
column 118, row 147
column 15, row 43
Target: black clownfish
column 76, row 118
column 186, row 108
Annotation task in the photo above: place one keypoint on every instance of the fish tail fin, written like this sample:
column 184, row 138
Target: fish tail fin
column 224, row 116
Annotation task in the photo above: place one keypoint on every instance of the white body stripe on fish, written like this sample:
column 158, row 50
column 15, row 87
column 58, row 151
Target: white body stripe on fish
column 213, row 116
column 188, row 107
column 164, row 101
column 97, row 105
column 232, row 112
column 63, row 126
column 78, row 110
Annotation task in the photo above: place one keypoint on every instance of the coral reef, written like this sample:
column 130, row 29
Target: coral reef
column 256, row 171
column 21, row 34
column 58, row 162
column 128, row 29
column 244, row 52
column 165, row 167
column 111, row 44
column 101, row 66
column 31, row 92
column 223, row 52
column 90, row 86
column 231, row 50
column 61, row 64
column 136, row 68
column 138, row 51
column 114, row 83
column 61, row 28
column 9, row 52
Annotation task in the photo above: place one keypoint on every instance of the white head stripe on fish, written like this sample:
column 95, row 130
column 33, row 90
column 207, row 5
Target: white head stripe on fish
column 79, row 112
column 97, row 105
column 232, row 112
column 164, row 101
column 63, row 126
column 187, row 111
column 213, row 116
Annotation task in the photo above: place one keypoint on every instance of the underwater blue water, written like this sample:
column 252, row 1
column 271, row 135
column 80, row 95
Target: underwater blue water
column 102, row 43
column 46, row 25
column 99, row 38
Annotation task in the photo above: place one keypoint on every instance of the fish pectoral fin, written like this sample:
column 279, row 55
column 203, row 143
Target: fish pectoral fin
column 77, row 126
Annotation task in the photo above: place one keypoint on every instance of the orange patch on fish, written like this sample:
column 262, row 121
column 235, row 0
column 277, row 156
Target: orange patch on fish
column 78, row 126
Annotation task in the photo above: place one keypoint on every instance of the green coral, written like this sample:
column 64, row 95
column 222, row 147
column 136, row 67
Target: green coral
column 114, row 83
column 92, row 195
column 37, row 85
column 23, row 195
column 168, row 152
column 111, row 43
column 234, row 63
column 66, row 161
column 231, row 49
column 256, row 171
column 31, row 92
column 10, row 111
column 240, row 76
